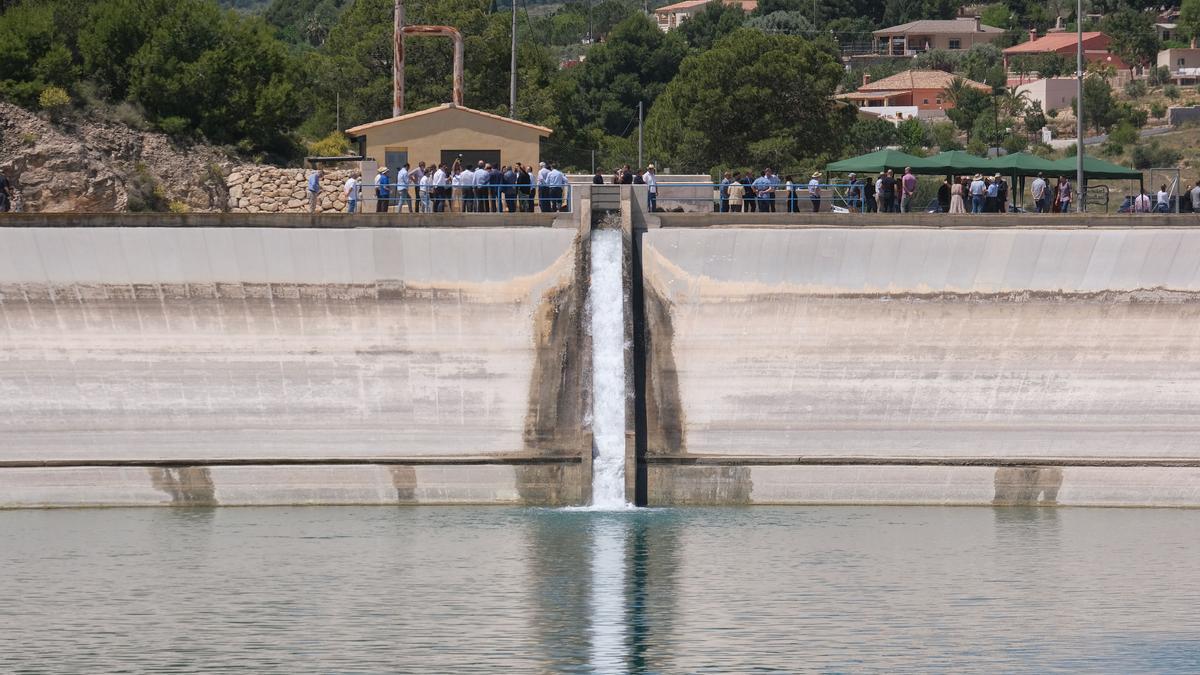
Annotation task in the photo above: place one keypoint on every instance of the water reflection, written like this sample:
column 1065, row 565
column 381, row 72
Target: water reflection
column 537, row 590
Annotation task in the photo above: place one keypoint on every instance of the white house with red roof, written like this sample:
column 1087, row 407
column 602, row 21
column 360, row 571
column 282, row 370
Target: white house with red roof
column 670, row 16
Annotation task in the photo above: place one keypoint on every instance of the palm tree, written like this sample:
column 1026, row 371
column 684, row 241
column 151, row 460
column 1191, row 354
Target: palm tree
column 953, row 93
column 1014, row 103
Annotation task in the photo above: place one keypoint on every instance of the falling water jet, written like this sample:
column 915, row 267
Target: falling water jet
column 607, row 302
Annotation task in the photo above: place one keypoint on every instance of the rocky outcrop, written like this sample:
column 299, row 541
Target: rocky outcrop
column 103, row 166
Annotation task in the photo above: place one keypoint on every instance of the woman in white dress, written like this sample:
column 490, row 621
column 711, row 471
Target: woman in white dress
column 956, row 193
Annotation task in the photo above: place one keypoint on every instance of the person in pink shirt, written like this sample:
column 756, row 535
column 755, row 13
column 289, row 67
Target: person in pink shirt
column 908, row 188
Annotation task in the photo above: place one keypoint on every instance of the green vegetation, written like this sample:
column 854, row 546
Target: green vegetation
column 275, row 79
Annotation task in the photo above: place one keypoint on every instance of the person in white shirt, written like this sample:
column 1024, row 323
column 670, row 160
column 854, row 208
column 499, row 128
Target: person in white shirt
column 426, row 203
column 481, row 182
column 1141, row 203
column 814, row 191
column 1195, row 193
column 456, row 189
column 542, row 194
column 402, row 190
column 415, row 177
column 651, row 188
column 467, row 180
column 350, row 189
column 439, row 189
column 1164, row 200
column 1039, row 194
column 977, row 189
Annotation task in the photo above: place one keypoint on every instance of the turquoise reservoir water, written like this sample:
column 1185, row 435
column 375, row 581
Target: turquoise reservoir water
column 287, row 590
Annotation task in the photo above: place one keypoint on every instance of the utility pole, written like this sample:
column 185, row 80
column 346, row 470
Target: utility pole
column 1079, row 107
column 512, row 75
column 639, row 164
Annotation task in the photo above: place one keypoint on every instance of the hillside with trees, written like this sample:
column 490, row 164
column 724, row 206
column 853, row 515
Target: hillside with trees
column 275, row 80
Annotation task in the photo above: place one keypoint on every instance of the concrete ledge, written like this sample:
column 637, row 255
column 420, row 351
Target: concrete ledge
column 281, row 220
column 544, row 484
column 929, row 220
column 1034, row 485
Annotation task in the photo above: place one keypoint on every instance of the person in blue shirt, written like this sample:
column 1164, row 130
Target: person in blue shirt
column 992, row 203
column 314, row 189
column 382, row 191
column 726, row 179
column 762, row 188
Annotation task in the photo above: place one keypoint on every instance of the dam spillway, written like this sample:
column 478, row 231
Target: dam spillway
column 245, row 362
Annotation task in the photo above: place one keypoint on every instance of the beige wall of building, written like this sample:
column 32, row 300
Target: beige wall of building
column 1053, row 93
column 1179, row 58
column 424, row 135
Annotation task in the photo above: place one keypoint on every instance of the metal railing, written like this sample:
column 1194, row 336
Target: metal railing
column 501, row 198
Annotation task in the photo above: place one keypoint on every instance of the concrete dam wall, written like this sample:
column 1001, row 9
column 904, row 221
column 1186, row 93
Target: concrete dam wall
column 226, row 361
column 250, row 365
column 923, row 365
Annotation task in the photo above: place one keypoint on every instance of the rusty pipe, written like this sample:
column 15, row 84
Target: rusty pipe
column 398, row 59
column 444, row 31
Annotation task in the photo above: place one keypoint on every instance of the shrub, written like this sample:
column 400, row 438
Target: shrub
column 1158, row 110
column 1171, row 91
column 1136, row 88
column 945, row 136
column 333, row 145
column 1123, row 134
column 178, row 207
column 175, row 127
column 131, row 115
column 1015, row 143
column 1052, row 113
column 1152, row 154
column 54, row 100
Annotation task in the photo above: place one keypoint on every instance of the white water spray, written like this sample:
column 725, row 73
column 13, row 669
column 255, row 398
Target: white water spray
column 607, row 299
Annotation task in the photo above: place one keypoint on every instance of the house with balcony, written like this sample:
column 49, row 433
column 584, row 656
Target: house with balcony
column 1095, row 48
column 1183, row 62
column 915, row 37
column 913, row 93
column 670, row 16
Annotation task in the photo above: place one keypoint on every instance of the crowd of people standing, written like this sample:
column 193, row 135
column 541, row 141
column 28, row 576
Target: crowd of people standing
column 438, row 188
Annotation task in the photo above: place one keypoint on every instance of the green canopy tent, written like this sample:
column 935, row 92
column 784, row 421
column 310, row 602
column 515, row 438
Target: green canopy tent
column 880, row 160
column 956, row 162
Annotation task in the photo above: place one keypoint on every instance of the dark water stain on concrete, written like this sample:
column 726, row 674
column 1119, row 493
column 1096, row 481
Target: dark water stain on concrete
column 664, row 406
column 187, row 486
column 1027, row 485
column 405, row 480
column 560, row 386
column 675, row 485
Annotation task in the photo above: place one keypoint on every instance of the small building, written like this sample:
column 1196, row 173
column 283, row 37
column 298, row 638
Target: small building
column 670, row 16
column 920, row 90
column 1051, row 93
column 1095, row 48
column 915, row 37
column 447, row 132
column 1183, row 62
column 1167, row 31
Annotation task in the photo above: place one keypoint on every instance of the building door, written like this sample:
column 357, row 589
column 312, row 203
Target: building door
column 471, row 157
column 394, row 160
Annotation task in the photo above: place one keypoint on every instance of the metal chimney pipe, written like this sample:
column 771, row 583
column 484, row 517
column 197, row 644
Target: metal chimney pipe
column 398, row 59
column 444, row 31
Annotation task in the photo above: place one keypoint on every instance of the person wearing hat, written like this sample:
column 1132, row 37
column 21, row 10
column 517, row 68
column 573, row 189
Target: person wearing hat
column 651, row 188
column 814, row 191
column 992, row 204
column 854, row 193
column 977, row 189
column 382, row 192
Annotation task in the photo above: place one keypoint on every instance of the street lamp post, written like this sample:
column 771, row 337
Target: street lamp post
column 1079, row 107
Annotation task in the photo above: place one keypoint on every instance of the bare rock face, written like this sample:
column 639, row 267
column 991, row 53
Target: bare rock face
column 98, row 166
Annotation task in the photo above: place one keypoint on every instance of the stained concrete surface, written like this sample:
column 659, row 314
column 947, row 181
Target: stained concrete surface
column 859, row 343
column 159, row 343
